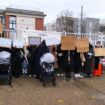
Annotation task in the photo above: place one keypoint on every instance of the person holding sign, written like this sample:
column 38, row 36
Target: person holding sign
column 68, row 63
column 97, row 59
column 89, row 64
column 41, row 49
column 98, row 54
column 77, row 64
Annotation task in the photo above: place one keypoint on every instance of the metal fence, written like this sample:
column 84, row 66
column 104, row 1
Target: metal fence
column 18, row 34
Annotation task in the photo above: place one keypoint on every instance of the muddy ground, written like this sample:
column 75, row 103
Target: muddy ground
column 30, row 91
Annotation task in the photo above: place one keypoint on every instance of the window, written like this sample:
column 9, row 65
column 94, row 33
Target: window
column 12, row 24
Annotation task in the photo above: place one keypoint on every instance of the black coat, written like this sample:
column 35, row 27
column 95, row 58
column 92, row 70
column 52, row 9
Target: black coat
column 16, row 62
column 77, row 59
column 59, row 56
column 65, row 61
column 42, row 49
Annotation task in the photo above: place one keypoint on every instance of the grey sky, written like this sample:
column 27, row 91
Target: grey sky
column 92, row 8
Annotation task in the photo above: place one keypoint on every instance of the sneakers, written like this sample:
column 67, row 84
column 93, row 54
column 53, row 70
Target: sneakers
column 81, row 76
column 60, row 75
column 78, row 75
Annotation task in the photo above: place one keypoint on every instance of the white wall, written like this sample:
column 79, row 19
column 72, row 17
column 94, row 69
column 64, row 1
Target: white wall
column 27, row 23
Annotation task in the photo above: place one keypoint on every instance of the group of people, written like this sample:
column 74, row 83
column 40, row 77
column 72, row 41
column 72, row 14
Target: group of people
column 23, row 63
column 80, row 64
column 70, row 63
column 73, row 62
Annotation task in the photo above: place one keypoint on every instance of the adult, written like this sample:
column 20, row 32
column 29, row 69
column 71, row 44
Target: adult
column 97, row 59
column 16, row 62
column 89, row 64
column 65, row 61
column 77, row 64
column 60, row 59
column 41, row 49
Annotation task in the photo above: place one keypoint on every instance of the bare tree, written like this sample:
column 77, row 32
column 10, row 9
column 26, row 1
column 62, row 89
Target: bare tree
column 64, row 21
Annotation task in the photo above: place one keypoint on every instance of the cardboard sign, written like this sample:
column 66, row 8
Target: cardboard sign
column 34, row 40
column 84, row 49
column 99, row 51
column 82, row 45
column 68, row 43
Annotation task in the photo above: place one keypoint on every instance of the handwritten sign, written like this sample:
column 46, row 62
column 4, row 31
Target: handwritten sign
column 68, row 42
column 99, row 51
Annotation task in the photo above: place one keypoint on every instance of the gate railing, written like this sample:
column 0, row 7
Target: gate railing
column 18, row 34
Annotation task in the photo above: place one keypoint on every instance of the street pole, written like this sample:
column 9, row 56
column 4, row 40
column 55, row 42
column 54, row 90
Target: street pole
column 81, row 19
column 81, row 32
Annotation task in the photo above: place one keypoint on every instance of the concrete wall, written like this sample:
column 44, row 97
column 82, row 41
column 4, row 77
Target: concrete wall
column 25, row 23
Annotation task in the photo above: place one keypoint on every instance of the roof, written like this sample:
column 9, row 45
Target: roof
column 27, row 12
column 22, row 11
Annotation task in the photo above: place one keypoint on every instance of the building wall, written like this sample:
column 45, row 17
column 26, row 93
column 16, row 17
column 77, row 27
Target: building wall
column 7, row 26
column 76, row 25
column 91, row 25
column 39, row 24
column 25, row 23
column 18, row 19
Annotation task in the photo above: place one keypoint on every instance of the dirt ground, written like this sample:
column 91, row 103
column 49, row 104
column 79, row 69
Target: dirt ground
column 30, row 91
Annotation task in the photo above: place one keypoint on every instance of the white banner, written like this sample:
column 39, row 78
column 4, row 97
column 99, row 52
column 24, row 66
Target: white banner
column 51, row 38
column 18, row 43
column 4, row 42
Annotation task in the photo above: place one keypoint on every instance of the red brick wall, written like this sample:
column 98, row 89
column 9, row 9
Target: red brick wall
column 7, row 25
column 39, row 24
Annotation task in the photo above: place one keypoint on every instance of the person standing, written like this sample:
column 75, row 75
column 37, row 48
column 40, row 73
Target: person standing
column 68, row 63
column 89, row 64
column 41, row 49
column 77, row 64
column 97, row 59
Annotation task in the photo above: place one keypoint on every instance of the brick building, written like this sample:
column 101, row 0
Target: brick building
column 18, row 19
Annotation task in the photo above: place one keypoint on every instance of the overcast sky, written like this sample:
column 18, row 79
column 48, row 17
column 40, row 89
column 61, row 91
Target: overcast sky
column 92, row 8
